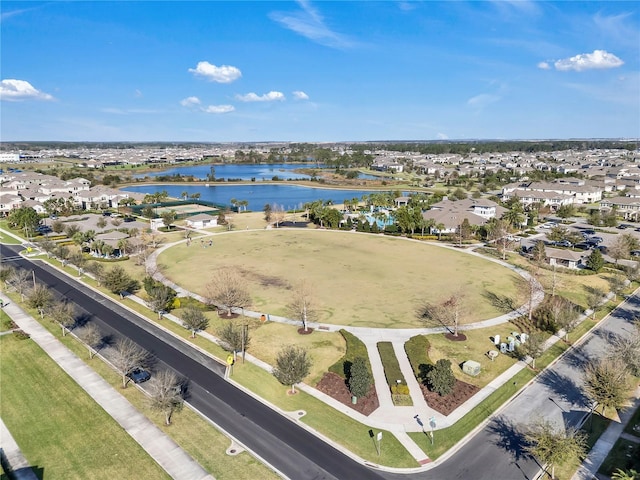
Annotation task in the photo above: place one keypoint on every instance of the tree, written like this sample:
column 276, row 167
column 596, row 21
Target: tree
column 498, row 232
column 278, row 214
column 161, row 297
column 440, row 378
column 619, row 249
column 64, row 314
column 514, row 216
column 446, row 313
column 360, row 378
column 117, row 280
column 20, row 281
column 620, row 474
column 566, row 211
column 627, row 349
column 292, row 365
column 92, row 337
column 166, row 394
column 595, row 261
column 565, row 316
column 235, row 336
column 24, row 218
column 47, row 246
column 168, row 218
column 539, row 252
column 6, row 272
column 302, row 305
column 594, row 298
column 39, row 297
column 552, row 446
column 227, row 290
column 617, row 284
column 533, row 347
column 607, row 382
column 195, row 320
column 267, row 212
column 71, row 230
column 126, row 357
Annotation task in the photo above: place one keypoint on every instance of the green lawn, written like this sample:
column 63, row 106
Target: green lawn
column 196, row 435
column 59, row 428
column 624, row 455
column 335, row 425
column 342, row 268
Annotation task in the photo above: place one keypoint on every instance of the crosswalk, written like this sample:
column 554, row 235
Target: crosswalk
column 11, row 258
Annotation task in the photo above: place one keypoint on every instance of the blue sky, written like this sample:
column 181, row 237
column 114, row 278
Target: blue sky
column 319, row 71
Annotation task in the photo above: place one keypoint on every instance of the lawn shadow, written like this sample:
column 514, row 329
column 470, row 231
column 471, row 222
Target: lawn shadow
column 509, row 437
column 423, row 370
column 501, row 302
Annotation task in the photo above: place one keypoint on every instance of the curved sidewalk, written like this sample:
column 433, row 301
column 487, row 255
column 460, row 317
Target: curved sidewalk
column 173, row 459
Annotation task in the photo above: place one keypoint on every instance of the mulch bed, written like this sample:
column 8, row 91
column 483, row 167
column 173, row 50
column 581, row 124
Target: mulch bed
column 462, row 392
column 334, row 385
column 460, row 338
column 302, row 331
column 223, row 314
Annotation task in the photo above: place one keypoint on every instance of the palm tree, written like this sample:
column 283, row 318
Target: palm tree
column 184, row 195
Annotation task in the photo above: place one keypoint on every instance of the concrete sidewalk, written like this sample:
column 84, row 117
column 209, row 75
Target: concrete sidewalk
column 605, row 443
column 175, row 461
column 11, row 454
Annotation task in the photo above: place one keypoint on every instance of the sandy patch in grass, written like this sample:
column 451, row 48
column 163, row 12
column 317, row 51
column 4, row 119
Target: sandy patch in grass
column 358, row 279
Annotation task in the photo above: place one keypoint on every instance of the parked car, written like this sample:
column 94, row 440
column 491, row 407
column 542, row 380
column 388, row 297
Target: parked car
column 582, row 246
column 589, row 231
column 602, row 249
column 129, row 219
column 139, row 375
column 564, row 243
column 595, row 240
column 635, row 253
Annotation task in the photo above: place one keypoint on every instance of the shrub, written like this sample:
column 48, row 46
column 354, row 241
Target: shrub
column 20, row 334
column 440, row 378
column 355, row 348
column 360, row 378
column 417, row 349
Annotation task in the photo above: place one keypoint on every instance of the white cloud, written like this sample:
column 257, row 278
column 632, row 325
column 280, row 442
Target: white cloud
column 587, row 61
column 218, row 109
column 544, row 65
column 300, row 95
column 482, row 100
column 267, row 97
column 222, row 74
column 442, row 136
column 16, row 90
column 138, row 93
column 310, row 24
column 190, row 102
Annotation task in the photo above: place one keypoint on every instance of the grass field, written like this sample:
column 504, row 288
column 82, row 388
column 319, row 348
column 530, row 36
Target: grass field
column 56, row 423
column 358, row 280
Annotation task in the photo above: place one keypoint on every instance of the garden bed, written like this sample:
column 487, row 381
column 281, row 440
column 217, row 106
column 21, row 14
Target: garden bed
column 462, row 392
column 334, row 386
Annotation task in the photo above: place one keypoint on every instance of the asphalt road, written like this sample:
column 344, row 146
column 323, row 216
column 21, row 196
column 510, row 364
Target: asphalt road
column 282, row 443
column 496, row 452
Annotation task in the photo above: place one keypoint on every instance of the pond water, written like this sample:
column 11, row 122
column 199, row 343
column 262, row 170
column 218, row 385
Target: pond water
column 259, row 172
column 258, row 195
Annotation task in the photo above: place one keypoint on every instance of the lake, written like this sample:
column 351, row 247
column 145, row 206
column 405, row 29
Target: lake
column 244, row 171
column 258, row 195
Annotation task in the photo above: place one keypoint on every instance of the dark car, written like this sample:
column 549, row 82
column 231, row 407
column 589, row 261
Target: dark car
column 595, row 240
column 563, row 243
column 602, row 249
column 139, row 375
column 589, row 231
column 129, row 219
column 635, row 253
column 582, row 246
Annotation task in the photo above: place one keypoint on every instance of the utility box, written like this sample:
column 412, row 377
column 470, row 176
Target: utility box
column 471, row 368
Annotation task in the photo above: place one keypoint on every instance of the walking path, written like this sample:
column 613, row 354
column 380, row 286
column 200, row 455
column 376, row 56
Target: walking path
column 397, row 419
column 175, row 461
column 607, row 440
